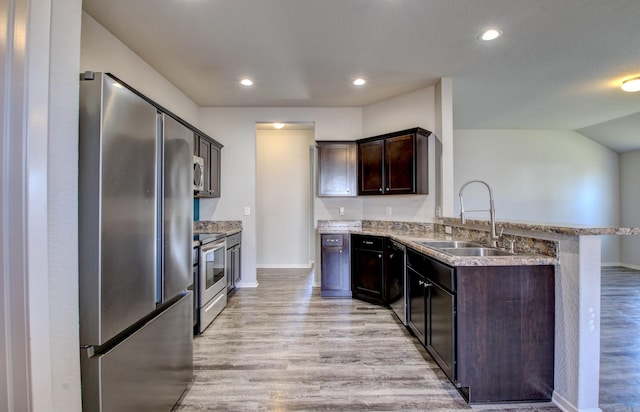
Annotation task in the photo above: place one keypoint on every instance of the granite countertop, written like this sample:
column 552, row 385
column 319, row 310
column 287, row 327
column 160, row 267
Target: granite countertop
column 227, row 227
column 224, row 231
column 411, row 239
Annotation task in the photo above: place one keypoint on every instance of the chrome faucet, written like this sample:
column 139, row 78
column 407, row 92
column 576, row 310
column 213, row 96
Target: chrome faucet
column 491, row 210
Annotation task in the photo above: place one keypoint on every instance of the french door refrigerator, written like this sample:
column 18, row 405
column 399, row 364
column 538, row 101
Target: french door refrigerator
column 135, row 243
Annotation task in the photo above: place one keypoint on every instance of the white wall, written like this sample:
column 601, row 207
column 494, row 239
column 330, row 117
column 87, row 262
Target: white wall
column 630, row 207
column 543, row 176
column 416, row 109
column 283, row 193
column 235, row 128
column 63, row 205
column 103, row 52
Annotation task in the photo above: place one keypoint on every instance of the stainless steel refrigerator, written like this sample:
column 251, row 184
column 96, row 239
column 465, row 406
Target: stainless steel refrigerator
column 135, row 243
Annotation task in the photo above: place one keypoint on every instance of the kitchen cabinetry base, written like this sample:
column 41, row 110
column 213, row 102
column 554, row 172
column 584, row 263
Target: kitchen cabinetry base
column 335, row 274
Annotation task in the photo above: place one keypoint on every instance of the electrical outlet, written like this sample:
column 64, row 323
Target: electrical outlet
column 247, row 211
column 341, row 211
column 438, row 211
column 448, row 230
column 389, row 212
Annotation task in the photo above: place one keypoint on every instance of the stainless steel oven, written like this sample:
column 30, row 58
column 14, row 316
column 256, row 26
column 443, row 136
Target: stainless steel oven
column 212, row 282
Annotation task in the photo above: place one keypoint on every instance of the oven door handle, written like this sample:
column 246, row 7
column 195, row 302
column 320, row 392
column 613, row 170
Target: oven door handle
column 212, row 246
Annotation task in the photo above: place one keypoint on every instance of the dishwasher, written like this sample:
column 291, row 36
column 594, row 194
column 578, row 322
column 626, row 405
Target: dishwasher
column 397, row 280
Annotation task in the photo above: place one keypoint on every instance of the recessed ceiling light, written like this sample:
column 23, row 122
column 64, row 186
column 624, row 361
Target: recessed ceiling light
column 246, row 82
column 631, row 85
column 359, row 82
column 490, row 34
column 278, row 125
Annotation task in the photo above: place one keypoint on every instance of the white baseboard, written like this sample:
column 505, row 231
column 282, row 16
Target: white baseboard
column 611, row 264
column 567, row 406
column 284, row 266
column 624, row 265
column 243, row 284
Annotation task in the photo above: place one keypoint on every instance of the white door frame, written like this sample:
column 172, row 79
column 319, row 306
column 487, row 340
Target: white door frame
column 25, row 358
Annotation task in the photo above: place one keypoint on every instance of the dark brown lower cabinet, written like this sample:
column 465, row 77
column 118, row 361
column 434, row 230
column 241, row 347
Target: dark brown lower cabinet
column 368, row 268
column 489, row 328
column 335, row 263
column 417, row 297
column 432, row 308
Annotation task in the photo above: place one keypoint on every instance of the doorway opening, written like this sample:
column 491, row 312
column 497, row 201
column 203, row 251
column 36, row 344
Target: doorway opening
column 284, row 195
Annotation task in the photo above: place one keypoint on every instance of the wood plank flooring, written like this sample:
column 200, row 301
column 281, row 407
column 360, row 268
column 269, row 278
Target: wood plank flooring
column 620, row 340
column 281, row 347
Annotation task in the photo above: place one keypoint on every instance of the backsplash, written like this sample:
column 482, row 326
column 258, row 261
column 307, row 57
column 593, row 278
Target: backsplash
column 405, row 227
column 523, row 244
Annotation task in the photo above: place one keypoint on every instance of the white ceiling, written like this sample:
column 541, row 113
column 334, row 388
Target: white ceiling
column 558, row 64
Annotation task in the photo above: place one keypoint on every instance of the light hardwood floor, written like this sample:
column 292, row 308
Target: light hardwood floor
column 281, row 347
column 620, row 340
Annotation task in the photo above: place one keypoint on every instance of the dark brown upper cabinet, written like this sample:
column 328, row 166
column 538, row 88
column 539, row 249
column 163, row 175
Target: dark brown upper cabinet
column 210, row 151
column 394, row 163
column 336, row 168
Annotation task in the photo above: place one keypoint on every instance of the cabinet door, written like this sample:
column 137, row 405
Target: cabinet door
column 370, row 166
column 237, row 264
column 416, row 293
column 336, row 169
column 399, row 165
column 214, row 172
column 441, row 328
column 211, row 155
column 230, row 269
column 368, row 280
column 335, row 275
column 204, row 151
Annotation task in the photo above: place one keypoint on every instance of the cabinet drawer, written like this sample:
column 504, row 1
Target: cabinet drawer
column 440, row 274
column 432, row 269
column 234, row 239
column 332, row 240
column 367, row 242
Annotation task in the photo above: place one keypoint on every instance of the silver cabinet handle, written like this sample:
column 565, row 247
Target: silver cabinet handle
column 380, row 189
column 366, row 242
column 380, row 255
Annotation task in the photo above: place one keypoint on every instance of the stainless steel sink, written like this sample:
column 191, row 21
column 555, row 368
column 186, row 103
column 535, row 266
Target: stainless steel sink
column 441, row 244
column 475, row 251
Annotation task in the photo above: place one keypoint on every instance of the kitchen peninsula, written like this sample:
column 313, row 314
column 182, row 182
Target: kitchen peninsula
column 575, row 253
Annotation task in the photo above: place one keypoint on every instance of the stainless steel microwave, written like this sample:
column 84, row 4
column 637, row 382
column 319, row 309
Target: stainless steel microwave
column 198, row 173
